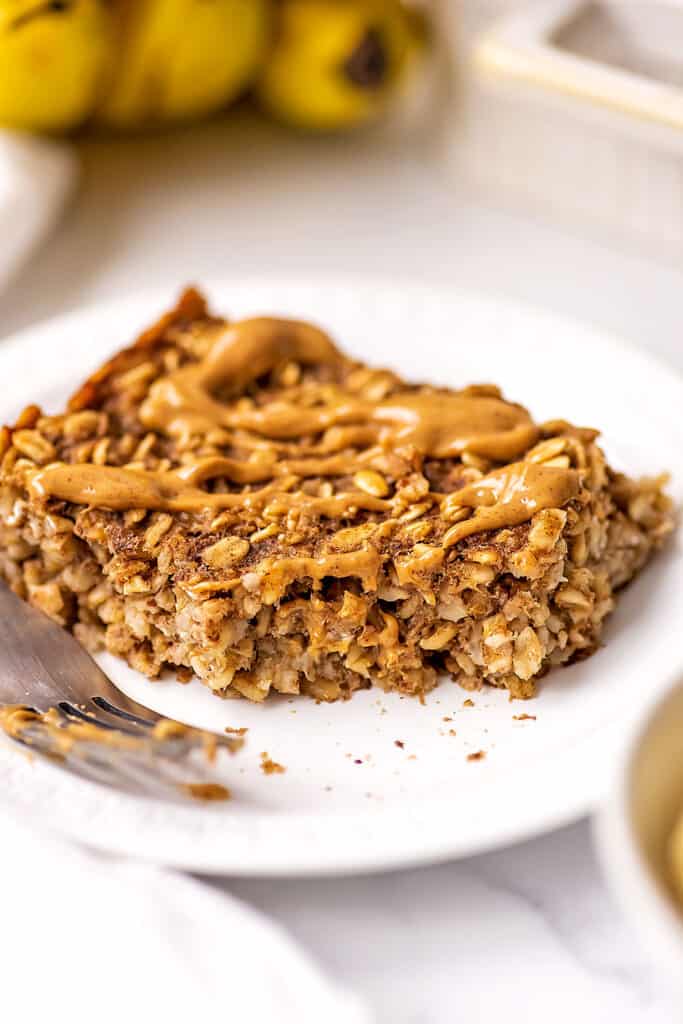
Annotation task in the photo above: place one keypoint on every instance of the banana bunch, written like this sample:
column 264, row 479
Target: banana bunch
column 316, row 64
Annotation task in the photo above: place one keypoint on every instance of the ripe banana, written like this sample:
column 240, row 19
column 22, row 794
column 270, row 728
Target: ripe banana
column 317, row 63
column 52, row 58
column 336, row 63
column 179, row 59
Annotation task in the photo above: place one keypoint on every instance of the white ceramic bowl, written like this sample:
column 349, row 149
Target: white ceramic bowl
column 634, row 829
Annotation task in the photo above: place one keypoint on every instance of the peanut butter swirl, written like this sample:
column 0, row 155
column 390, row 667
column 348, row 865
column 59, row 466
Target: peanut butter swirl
column 121, row 489
column 439, row 424
column 512, row 495
column 202, row 396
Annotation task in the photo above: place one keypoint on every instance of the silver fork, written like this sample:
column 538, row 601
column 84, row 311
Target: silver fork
column 43, row 668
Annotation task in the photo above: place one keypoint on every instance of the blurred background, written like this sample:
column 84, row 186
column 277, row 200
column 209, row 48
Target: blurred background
column 532, row 147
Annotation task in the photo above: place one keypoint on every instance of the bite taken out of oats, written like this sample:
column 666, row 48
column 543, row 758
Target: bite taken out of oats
column 243, row 501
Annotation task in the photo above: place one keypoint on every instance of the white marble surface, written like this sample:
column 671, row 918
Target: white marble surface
column 527, row 934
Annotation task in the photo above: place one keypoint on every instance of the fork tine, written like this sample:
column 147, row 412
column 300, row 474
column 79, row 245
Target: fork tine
column 127, row 716
column 119, row 769
column 43, row 663
column 100, row 773
column 73, row 712
column 134, row 771
column 157, row 775
column 46, row 672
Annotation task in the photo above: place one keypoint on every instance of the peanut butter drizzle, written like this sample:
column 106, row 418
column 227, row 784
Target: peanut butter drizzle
column 364, row 565
column 512, row 495
column 438, row 424
column 121, row 489
column 182, row 403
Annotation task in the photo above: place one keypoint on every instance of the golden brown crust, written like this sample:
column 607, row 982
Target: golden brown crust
column 322, row 595
column 190, row 308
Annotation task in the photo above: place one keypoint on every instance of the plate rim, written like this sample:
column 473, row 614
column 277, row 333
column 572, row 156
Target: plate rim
column 443, row 844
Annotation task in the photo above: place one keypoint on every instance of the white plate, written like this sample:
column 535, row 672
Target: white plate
column 351, row 799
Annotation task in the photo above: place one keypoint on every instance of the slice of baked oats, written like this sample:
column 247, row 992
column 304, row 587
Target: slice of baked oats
column 244, row 501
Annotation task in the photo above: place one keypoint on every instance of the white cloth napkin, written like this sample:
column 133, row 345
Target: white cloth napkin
column 86, row 938
column 36, row 178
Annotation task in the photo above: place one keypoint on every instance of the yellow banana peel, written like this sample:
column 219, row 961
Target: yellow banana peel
column 179, row 59
column 317, row 64
column 53, row 57
column 336, row 63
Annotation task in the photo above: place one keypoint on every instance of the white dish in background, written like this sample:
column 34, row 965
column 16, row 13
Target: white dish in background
column 619, row 54
column 425, row 801
column 634, row 832
column 576, row 106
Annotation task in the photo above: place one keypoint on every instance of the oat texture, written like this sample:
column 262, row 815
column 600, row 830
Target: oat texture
column 290, row 597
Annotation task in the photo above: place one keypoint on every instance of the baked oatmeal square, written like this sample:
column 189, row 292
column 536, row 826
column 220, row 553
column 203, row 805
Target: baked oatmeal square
column 243, row 501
